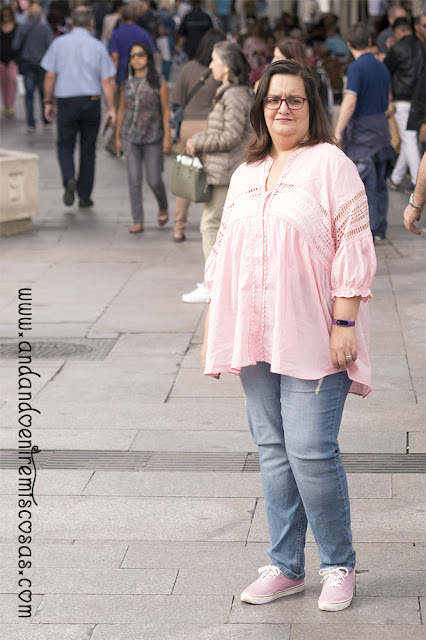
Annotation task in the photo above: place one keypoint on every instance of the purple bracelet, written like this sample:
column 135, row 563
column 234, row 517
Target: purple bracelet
column 344, row 323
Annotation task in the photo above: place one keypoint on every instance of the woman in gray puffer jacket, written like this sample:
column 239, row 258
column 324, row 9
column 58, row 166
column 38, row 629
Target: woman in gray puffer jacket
column 228, row 130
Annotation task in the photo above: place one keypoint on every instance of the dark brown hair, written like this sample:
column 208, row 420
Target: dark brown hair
column 319, row 127
column 293, row 50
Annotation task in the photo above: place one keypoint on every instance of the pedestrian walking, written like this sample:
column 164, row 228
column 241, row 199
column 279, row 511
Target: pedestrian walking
column 8, row 66
column 142, row 127
column 292, row 261
column 406, row 63
column 194, row 91
column 78, row 70
column 31, row 41
column 228, row 130
column 123, row 38
column 194, row 25
column 362, row 127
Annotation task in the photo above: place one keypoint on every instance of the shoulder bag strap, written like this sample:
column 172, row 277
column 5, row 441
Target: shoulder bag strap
column 197, row 87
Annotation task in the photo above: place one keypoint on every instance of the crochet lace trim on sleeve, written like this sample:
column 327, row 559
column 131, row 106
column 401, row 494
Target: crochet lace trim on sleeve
column 352, row 220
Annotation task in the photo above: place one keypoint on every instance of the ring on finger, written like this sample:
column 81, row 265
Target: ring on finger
column 348, row 357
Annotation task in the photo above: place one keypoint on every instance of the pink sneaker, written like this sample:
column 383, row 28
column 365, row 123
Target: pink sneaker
column 338, row 588
column 271, row 585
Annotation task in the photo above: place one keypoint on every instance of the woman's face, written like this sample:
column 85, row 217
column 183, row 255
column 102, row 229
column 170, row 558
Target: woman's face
column 284, row 124
column 219, row 70
column 7, row 15
column 138, row 58
column 278, row 55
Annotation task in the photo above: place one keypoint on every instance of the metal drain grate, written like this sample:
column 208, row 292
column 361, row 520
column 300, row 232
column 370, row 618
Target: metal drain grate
column 68, row 349
column 202, row 462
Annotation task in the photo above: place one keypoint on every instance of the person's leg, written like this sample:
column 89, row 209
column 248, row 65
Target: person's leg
column 413, row 154
column 153, row 159
column 311, row 413
column 181, row 216
column 284, row 508
column 134, row 157
column 40, row 73
column 401, row 117
column 67, row 128
column 382, row 196
column 368, row 176
column 12, row 72
column 88, row 123
column 3, row 85
column 211, row 217
column 29, row 82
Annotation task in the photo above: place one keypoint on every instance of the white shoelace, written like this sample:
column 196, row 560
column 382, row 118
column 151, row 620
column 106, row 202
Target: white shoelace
column 335, row 575
column 268, row 572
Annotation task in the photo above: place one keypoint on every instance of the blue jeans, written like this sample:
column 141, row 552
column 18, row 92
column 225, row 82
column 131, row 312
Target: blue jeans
column 33, row 79
column 295, row 424
column 377, row 194
column 150, row 157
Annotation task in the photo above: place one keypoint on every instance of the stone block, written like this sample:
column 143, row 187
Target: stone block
column 303, row 606
column 134, row 609
column 19, row 191
column 66, row 553
column 46, row 632
column 357, row 632
column 192, row 632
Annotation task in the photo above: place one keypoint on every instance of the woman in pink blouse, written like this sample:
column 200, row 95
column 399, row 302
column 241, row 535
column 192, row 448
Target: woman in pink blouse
column 289, row 278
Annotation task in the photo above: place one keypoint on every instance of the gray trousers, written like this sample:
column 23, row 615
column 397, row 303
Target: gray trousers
column 151, row 157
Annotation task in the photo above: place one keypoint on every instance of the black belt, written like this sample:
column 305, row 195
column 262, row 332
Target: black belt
column 94, row 98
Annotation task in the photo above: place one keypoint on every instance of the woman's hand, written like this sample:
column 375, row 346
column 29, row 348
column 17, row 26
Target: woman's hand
column 190, row 149
column 343, row 349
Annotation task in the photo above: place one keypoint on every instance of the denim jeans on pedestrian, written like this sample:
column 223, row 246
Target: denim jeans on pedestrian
column 295, row 424
column 377, row 193
column 33, row 79
column 151, row 157
column 79, row 115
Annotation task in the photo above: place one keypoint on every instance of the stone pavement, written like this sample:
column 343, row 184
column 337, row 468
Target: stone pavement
column 150, row 520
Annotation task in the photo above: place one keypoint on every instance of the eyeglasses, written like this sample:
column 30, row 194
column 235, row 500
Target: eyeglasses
column 293, row 103
column 138, row 54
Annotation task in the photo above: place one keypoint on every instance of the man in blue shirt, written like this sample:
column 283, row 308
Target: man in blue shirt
column 78, row 69
column 362, row 128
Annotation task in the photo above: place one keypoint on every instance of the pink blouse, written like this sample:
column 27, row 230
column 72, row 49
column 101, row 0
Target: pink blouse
column 280, row 259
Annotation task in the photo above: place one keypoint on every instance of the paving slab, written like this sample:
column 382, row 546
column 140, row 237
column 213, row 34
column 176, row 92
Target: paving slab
column 417, row 442
column 134, row 609
column 180, row 414
column 193, row 441
column 357, row 631
column 376, row 556
column 384, row 582
column 97, row 382
column 9, row 609
column 59, row 482
column 372, row 520
column 192, row 632
column 50, row 330
column 151, row 344
column 363, row 415
column 192, row 383
column 409, row 487
column 363, row 610
column 74, row 439
column 46, row 632
column 99, row 518
column 9, row 385
column 175, row 483
column 376, row 442
column 64, row 553
column 93, row 581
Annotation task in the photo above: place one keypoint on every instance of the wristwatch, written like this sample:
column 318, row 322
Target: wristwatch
column 415, row 206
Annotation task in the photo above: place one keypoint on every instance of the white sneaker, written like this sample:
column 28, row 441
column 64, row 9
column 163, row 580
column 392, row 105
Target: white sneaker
column 200, row 294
